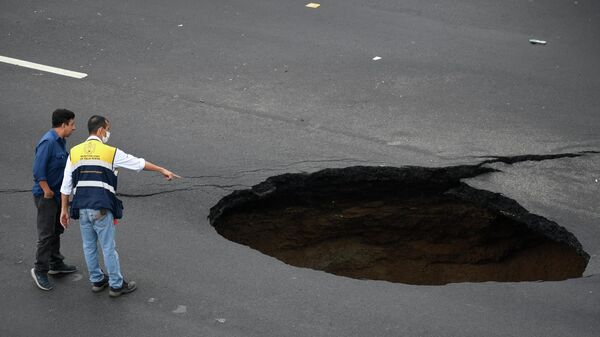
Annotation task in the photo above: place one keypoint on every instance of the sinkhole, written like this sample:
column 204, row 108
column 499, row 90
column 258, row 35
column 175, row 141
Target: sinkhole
column 413, row 225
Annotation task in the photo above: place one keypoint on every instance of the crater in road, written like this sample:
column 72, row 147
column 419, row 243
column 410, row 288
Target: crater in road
column 413, row 225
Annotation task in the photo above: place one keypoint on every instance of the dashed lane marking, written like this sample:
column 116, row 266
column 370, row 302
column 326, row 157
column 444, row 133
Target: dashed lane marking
column 42, row 67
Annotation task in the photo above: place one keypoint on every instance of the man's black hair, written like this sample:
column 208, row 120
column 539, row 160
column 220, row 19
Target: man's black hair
column 60, row 116
column 96, row 122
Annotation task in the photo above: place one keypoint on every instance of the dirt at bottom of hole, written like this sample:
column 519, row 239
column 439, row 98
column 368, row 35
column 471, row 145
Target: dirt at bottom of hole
column 427, row 240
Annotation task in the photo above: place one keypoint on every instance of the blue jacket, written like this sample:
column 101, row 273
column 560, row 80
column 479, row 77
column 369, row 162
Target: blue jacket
column 49, row 163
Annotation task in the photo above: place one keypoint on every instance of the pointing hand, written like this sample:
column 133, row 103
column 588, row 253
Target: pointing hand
column 169, row 175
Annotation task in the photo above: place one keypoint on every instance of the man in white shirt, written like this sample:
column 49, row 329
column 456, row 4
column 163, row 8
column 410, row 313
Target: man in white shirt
column 91, row 176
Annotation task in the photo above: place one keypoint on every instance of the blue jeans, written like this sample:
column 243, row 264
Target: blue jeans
column 98, row 227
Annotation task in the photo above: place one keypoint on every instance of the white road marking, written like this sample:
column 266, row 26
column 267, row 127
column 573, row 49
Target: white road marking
column 42, row 67
column 536, row 41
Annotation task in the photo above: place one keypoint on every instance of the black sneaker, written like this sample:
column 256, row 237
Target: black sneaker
column 41, row 280
column 126, row 288
column 100, row 285
column 62, row 269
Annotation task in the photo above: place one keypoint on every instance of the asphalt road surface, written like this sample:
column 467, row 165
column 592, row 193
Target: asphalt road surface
column 228, row 93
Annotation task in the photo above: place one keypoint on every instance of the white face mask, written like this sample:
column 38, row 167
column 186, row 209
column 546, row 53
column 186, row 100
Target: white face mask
column 105, row 138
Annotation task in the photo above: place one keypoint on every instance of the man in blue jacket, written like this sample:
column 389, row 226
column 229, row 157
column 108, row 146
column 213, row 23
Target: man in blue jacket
column 48, row 168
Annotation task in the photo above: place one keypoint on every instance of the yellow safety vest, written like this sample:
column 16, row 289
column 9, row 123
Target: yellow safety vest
column 94, row 178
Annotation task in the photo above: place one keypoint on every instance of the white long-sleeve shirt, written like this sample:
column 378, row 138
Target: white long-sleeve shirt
column 122, row 160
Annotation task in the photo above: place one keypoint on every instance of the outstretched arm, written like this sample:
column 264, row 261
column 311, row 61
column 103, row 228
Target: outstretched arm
column 130, row 162
column 166, row 173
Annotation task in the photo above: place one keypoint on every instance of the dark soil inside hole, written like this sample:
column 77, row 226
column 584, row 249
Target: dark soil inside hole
column 400, row 232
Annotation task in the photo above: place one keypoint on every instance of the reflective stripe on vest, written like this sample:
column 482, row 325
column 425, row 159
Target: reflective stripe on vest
column 92, row 162
column 91, row 183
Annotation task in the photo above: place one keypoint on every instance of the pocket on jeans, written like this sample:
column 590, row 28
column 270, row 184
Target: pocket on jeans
column 101, row 217
column 101, row 214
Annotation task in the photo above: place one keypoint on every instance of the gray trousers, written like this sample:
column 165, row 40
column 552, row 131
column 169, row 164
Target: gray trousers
column 49, row 230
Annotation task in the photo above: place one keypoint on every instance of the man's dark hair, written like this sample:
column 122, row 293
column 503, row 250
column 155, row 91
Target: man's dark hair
column 60, row 116
column 96, row 122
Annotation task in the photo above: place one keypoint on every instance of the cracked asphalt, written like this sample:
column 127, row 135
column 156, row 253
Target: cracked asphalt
column 228, row 93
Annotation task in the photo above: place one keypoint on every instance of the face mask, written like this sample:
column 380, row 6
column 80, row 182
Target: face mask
column 105, row 138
